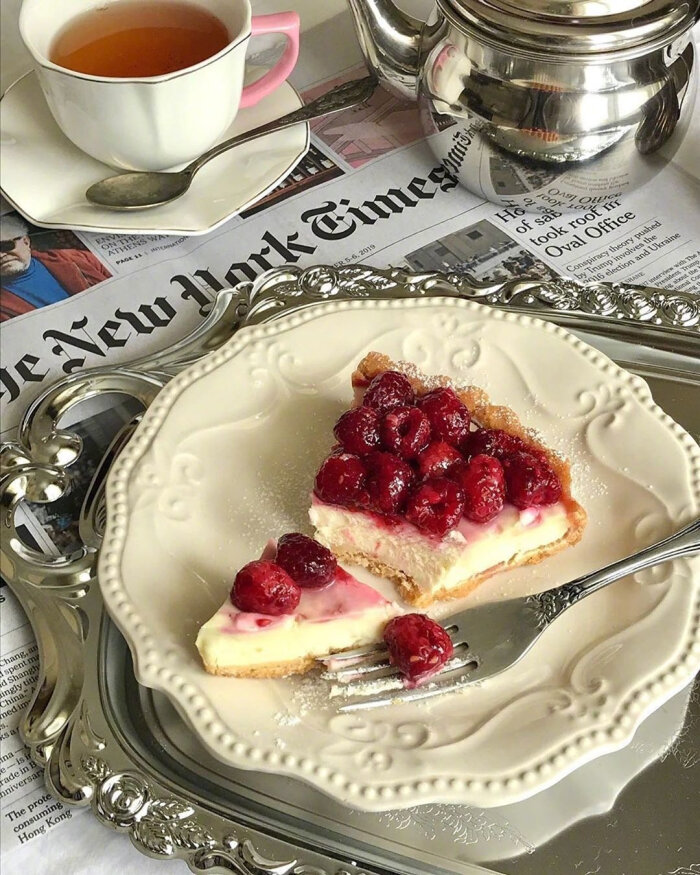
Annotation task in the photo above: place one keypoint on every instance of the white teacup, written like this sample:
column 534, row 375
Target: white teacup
column 156, row 122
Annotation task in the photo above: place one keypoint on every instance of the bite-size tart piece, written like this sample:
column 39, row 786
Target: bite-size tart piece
column 436, row 488
column 287, row 608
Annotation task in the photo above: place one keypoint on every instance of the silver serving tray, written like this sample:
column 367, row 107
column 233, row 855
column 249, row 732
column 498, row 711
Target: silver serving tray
column 105, row 741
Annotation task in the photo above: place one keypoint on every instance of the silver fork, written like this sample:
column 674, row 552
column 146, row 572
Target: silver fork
column 488, row 638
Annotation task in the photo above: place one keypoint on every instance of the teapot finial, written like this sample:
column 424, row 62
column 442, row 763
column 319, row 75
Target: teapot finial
column 390, row 41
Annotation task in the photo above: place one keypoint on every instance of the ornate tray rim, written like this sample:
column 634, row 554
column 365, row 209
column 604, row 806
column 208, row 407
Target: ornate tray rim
column 65, row 726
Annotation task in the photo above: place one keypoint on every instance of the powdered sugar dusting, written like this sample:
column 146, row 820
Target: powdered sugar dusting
column 286, row 718
column 430, row 382
column 309, row 694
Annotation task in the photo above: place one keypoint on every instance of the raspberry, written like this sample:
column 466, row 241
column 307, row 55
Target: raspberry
column 405, row 431
column 358, row 430
column 341, row 479
column 418, row 646
column 436, row 506
column 484, row 488
column 388, row 390
column 449, row 418
column 389, row 480
column 262, row 587
column 438, row 460
column 307, row 562
column 497, row 443
column 530, row 480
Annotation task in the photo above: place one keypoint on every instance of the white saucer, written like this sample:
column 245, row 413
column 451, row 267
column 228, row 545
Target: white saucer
column 44, row 176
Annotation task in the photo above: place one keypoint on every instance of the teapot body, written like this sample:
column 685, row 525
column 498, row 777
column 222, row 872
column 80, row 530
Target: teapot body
column 546, row 130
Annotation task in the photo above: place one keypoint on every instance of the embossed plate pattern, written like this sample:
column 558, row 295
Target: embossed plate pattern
column 226, row 455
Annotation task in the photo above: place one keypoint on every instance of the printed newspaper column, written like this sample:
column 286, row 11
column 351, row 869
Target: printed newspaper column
column 27, row 809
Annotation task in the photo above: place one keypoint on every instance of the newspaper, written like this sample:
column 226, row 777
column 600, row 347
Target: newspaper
column 369, row 190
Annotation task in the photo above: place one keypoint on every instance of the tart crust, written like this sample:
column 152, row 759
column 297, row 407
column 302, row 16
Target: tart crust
column 300, row 665
column 487, row 415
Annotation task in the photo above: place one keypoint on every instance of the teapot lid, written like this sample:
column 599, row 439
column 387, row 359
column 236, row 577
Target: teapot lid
column 577, row 26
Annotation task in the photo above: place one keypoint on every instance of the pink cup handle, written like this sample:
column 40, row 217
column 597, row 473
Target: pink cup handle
column 280, row 22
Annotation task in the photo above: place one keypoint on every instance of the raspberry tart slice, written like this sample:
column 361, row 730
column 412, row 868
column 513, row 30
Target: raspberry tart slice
column 436, row 488
column 285, row 609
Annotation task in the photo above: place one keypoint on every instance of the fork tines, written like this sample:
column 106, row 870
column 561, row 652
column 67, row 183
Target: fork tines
column 366, row 678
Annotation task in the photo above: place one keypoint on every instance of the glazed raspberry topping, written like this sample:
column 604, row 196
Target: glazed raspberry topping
column 388, row 390
column 308, row 563
column 262, row 587
column 418, row 646
column 389, row 480
column 341, row 479
column 358, row 430
column 530, row 481
column 483, row 484
column 405, row 431
column 449, row 418
column 438, row 460
column 418, row 458
column 436, row 506
column 492, row 442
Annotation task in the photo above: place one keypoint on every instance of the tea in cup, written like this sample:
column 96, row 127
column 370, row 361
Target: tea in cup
column 149, row 84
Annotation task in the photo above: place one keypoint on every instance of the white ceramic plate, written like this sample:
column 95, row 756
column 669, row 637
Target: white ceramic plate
column 44, row 176
column 225, row 458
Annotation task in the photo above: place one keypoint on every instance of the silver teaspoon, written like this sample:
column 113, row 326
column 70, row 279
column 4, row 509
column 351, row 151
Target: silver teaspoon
column 139, row 190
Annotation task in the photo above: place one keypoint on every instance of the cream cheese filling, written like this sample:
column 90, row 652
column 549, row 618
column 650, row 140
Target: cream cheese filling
column 440, row 564
column 291, row 640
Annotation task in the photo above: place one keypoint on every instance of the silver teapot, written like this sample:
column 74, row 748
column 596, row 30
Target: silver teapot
column 542, row 104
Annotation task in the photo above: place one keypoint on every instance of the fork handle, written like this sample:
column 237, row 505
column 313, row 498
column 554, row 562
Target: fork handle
column 686, row 542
